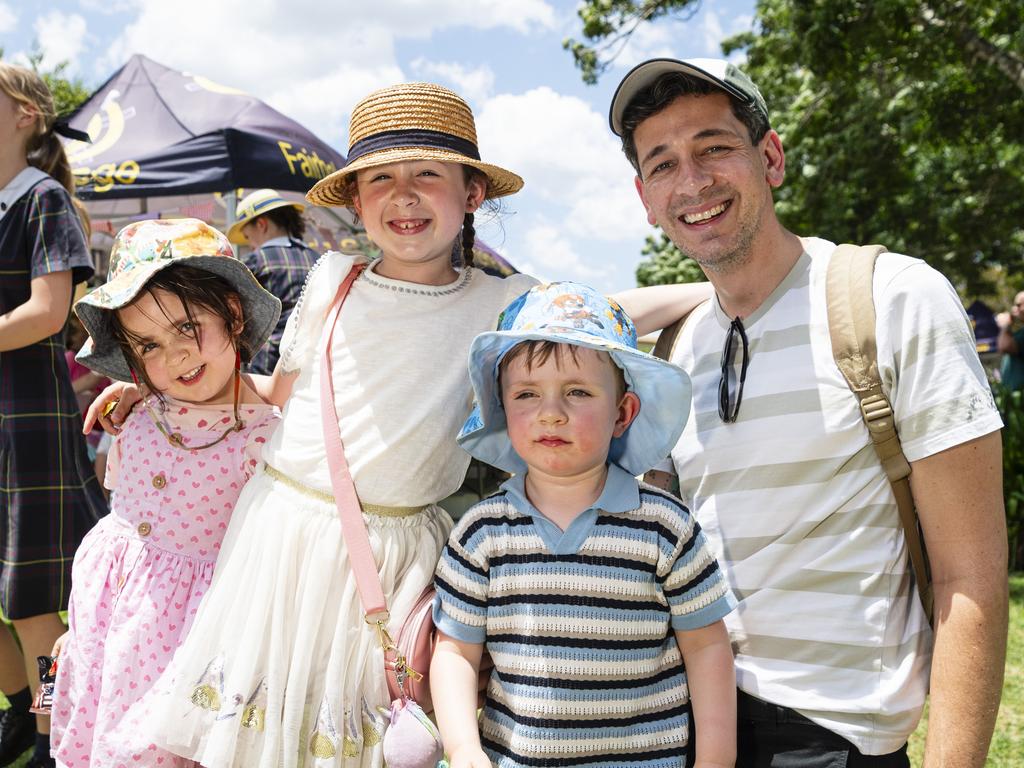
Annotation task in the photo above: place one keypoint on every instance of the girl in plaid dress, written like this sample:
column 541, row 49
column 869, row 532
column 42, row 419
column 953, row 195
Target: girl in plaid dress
column 49, row 497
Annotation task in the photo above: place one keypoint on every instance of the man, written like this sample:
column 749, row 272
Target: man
column 273, row 228
column 834, row 655
column 1011, row 343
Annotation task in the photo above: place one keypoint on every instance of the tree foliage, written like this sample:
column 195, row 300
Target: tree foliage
column 665, row 265
column 607, row 25
column 903, row 123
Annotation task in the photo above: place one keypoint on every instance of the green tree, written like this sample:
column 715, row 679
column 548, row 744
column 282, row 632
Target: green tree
column 607, row 25
column 665, row 264
column 903, row 121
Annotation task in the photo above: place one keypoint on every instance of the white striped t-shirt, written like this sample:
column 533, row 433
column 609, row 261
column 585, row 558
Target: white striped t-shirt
column 796, row 506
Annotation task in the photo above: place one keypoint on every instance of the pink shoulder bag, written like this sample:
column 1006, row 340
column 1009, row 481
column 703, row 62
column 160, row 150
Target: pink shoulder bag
column 406, row 660
column 411, row 740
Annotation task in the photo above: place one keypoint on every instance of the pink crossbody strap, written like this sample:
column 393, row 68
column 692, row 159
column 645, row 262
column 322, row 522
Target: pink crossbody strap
column 357, row 541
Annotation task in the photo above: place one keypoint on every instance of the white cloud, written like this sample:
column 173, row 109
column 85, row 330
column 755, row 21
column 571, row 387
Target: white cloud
column 108, row 7
column 472, row 84
column 550, row 255
column 415, row 18
column 711, row 29
column 310, row 59
column 649, row 41
column 683, row 37
column 61, row 38
column 568, row 157
column 323, row 103
column 8, row 18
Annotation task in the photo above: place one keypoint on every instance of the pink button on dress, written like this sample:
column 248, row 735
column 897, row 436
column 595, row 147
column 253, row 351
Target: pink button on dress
column 139, row 575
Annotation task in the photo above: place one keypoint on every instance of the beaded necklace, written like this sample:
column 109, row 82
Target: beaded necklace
column 175, row 438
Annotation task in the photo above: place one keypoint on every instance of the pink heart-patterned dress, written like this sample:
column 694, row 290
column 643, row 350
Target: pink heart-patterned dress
column 139, row 575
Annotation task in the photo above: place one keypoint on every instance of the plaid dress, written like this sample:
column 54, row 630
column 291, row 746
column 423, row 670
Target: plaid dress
column 49, row 495
column 282, row 270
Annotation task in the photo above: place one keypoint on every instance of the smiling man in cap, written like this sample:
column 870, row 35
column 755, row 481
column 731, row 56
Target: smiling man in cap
column 273, row 228
column 834, row 652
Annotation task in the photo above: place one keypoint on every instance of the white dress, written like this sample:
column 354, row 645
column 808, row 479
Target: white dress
column 280, row 668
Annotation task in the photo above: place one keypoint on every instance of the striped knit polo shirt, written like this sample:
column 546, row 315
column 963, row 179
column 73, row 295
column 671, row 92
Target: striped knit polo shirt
column 796, row 506
column 580, row 623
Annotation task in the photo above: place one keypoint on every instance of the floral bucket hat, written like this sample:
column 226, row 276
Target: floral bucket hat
column 571, row 313
column 140, row 251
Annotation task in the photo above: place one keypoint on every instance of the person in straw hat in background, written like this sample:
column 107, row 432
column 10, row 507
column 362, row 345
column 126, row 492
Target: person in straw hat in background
column 280, row 667
column 273, row 227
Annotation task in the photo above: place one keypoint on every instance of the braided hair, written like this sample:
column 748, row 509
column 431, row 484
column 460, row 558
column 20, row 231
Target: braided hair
column 468, row 239
column 468, row 230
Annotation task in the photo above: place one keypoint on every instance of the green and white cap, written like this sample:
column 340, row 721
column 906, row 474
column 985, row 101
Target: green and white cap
column 718, row 72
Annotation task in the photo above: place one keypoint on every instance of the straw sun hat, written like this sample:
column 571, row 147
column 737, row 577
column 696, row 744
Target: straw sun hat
column 256, row 204
column 411, row 121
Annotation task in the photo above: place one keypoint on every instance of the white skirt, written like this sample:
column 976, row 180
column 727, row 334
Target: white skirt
column 280, row 668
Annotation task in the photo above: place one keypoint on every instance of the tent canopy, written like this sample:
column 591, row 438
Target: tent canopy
column 159, row 132
column 169, row 143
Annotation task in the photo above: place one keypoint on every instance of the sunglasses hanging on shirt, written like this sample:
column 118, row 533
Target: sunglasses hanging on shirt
column 730, row 395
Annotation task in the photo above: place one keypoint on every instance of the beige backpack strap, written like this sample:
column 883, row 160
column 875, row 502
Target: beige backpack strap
column 851, row 320
column 667, row 339
column 664, row 348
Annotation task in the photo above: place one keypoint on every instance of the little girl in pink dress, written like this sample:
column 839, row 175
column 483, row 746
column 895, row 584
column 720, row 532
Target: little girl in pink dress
column 179, row 313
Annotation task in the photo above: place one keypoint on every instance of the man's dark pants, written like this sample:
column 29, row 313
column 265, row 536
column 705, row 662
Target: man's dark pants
column 769, row 736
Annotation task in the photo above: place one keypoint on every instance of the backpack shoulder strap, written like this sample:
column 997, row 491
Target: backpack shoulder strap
column 851, row 320
column 667, row 339
column 664, row 348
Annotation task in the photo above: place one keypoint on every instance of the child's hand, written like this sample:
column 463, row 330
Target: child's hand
column 112, row 407
column 469, row 756
column 58, row 645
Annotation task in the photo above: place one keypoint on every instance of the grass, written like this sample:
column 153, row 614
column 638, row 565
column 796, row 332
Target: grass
column 1007, row 743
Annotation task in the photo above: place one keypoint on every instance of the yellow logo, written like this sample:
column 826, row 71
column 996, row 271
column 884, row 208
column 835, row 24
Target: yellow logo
column 312, row 166
column 105, row 128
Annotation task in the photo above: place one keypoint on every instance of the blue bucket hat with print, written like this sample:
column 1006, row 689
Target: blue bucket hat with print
column 571, row 313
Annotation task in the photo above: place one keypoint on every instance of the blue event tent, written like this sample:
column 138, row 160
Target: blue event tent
column 159, row 132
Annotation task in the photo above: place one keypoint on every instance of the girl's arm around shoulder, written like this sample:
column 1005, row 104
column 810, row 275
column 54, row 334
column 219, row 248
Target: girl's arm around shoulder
column 275, row 388
column 711, row 678
column 454, row 670
column 658, row 306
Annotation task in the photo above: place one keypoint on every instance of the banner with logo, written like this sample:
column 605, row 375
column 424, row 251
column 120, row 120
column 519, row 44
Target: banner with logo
column 157, row 132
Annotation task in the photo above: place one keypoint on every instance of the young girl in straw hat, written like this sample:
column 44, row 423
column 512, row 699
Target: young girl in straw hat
column 49, row 496
column 280, row 668
column 180, row 313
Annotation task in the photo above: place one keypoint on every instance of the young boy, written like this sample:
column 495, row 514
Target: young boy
column 587, row 588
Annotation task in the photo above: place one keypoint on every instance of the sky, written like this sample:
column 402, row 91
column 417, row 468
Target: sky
column 578, row 216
